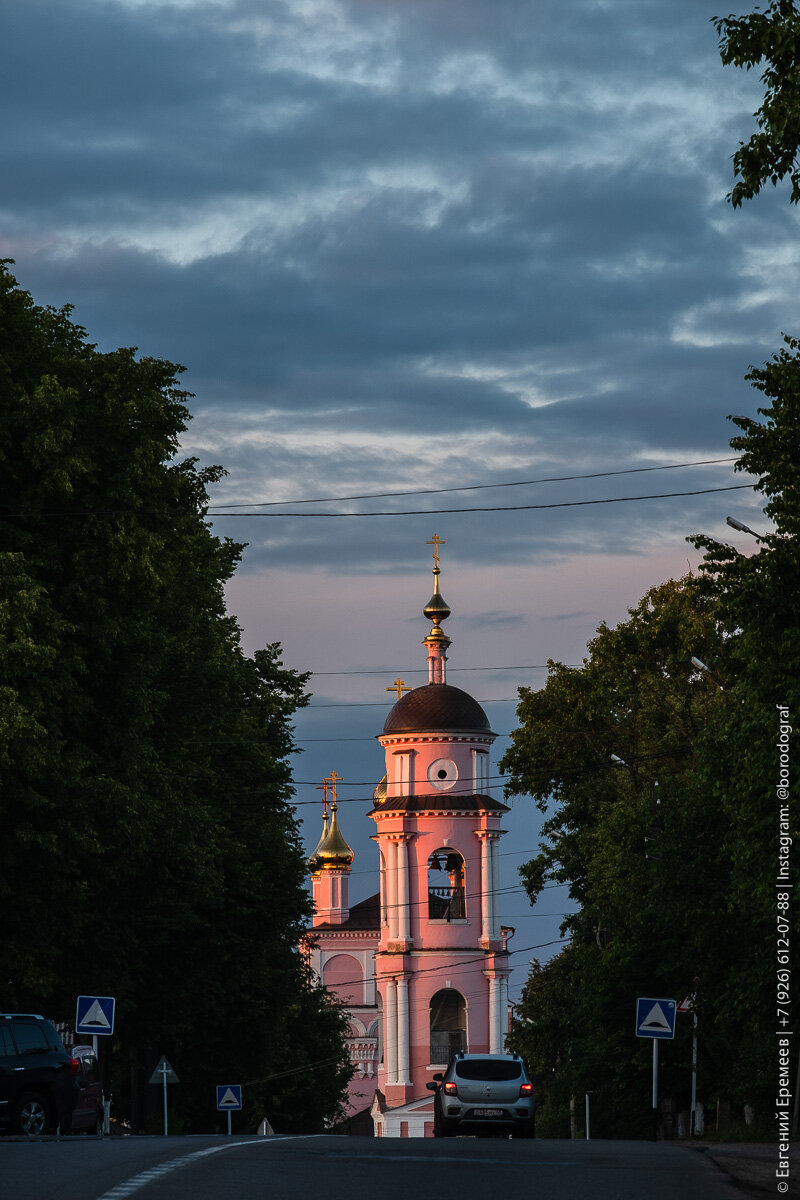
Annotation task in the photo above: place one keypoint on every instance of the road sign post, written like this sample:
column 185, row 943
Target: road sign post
column 164, row 1074
column 94, row 1016
column 687, row 1005
column 229, row 1099
column 655, row 1019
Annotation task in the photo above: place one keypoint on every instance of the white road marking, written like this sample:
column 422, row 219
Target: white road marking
column 121, row 1190
column 432, row 1160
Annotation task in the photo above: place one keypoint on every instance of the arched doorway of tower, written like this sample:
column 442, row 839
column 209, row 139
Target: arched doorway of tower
column 446, row 886
column 448, row 1025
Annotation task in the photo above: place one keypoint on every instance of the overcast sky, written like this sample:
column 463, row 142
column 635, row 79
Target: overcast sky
column 413, row 244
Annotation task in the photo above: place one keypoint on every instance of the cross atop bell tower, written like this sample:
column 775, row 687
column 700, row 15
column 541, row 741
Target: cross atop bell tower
column 436, row 542
column 436, row 610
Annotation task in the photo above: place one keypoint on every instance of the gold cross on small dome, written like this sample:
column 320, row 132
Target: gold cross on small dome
column 400, row 686
column 334, row 778
column 323, row 787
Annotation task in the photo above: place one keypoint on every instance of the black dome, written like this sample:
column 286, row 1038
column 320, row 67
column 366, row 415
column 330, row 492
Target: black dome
column 437, row 707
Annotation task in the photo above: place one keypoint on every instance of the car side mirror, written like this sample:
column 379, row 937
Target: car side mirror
column 432, row 1087
column 439, row 1076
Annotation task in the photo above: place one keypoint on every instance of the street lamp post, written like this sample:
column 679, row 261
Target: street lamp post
column 734, row 524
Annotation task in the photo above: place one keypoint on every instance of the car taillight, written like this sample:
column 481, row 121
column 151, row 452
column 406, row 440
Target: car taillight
column 525, row 1089
column 74, row 1066
column 450, row 1089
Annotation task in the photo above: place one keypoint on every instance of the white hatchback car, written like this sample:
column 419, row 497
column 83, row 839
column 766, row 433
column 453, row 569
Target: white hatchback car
column 481, row 1093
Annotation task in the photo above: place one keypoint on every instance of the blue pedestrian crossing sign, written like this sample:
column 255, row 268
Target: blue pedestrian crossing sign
column 229, row 1096
column 95, row 1015
column 655, row 1018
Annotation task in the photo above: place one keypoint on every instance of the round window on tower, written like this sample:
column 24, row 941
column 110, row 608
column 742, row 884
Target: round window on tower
column 443, row 774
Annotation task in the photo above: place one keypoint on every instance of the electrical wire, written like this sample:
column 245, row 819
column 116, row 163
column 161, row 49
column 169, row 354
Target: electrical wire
column 500, row 854
column 459, row 965
column 383, row 703
column 475, row 487
column 424, row 670
column 430, row 512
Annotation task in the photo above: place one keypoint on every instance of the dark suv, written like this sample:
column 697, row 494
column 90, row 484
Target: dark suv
column 484, row 1093
column 38, row 1079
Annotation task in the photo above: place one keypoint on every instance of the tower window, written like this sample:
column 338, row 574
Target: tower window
column 448, row 1025
column 480, row 768
column 402, row 773
column 446, row 890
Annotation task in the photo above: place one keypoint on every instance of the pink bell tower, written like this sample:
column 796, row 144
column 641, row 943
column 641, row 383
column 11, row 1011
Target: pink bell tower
column 441, row 964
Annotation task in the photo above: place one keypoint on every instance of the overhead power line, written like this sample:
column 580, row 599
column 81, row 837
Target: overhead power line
column 424, row 670
column 432, row 512
column 453, row 969
column 388, row 703
column 476, row 487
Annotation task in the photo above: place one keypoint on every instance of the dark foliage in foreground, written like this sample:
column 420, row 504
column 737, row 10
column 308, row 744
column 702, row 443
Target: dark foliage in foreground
column 149, row 848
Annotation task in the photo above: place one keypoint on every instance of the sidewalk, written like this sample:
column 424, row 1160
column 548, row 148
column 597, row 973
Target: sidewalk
column 751, row 1165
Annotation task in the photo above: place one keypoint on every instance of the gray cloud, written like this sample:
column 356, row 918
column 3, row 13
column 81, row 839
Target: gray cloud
column 407, row 245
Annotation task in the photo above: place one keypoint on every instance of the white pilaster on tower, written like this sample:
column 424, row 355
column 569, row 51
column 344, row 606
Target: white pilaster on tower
column 390, row 1026
column 493, row 1048
column 403, row 924
column 485, row 886
column 391, row 888
column 502, row 1012
column 402, row 1031
column 494, row 931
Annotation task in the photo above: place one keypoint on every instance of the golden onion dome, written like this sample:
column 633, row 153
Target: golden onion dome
column 312, row 859
column 333, row 852
column 437, row 610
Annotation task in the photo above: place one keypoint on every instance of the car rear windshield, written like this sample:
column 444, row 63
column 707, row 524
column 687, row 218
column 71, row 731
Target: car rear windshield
column 492, row 1069
column 29, row 1036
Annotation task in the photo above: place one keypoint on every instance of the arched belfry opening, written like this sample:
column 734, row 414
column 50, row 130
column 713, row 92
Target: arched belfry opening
column 448, row 1025
column 446, row 886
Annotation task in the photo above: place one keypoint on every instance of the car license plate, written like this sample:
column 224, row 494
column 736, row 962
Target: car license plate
column 488, row 1112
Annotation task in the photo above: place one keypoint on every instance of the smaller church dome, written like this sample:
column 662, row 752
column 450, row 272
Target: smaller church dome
column 333, row 852
column 312, row 860
column 438, row 707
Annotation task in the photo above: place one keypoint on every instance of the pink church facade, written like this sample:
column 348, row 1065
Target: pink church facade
column 423, row 965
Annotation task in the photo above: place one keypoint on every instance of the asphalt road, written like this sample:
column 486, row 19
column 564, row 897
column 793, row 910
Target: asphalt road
column 339, row 1168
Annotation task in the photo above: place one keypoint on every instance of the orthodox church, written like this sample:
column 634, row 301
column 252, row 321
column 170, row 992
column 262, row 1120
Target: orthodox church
column 422, row 966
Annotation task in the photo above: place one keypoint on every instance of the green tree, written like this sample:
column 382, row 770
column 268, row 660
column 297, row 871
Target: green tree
column 698, row 897
column 771, row 37
column 150, row 849
column 608, row 751
column 755, row 595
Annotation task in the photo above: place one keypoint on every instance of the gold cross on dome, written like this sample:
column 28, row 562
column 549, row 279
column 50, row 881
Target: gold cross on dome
column 400, row 686
column 333, row 777
column 436, row 542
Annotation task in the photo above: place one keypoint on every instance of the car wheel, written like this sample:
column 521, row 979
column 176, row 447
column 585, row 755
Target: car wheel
column 32, row 1114
column 528, row 1130
column 441, row 1127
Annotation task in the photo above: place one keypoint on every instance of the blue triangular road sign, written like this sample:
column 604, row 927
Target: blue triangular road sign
column 229, row 1096
column 655, row 1018
column 95, row 1015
